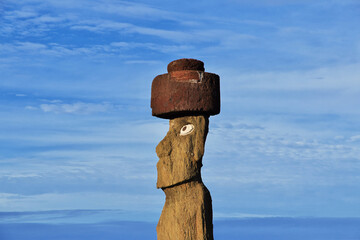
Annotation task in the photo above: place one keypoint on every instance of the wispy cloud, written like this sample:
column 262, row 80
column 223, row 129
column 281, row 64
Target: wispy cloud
column 31, row 20
column 282, row 152
column 153, row 46
column 51, row 49
column 68, row 201
column 75, row 115
column 62, row 216
column 292, row 2
column 134, row 10
column 355, row 138
column 76, row 108
column 112, row 49
column 127, row 28
column 21, row 14
column 24, row 175
column 210, row 35
column 328, row 90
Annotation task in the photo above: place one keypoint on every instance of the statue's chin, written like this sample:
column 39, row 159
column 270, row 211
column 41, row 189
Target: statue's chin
column 170, row 172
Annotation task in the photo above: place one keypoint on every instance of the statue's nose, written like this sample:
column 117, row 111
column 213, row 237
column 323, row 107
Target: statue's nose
column 164, row 147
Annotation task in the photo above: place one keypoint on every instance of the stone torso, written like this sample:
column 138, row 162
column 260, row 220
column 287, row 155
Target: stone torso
column 187, row 213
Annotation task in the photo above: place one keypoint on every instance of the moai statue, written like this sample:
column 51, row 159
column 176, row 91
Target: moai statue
column 187, row 96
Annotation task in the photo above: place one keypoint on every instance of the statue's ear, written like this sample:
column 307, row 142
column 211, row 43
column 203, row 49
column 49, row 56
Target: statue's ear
column 201, row 128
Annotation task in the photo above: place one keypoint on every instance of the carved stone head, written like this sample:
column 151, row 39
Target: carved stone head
column 180, row 152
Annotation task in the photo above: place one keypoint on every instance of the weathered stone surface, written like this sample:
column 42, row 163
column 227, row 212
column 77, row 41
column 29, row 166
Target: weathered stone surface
column 187, row 95
column 185, row 90
column 180, row 157
column 185, row 64
column 187, row 213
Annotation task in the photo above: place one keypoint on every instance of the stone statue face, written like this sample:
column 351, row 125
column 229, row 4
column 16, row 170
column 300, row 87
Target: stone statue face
column 180, row 152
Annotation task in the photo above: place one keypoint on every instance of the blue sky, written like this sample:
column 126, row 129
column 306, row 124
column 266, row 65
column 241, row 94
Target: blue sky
column 76, row 130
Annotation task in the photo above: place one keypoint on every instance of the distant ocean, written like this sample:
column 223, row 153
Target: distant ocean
column 51, row 226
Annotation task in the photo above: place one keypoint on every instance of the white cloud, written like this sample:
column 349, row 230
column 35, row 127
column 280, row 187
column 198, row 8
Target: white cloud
column 278, row 155
column 178, row 48
column 22, row 13
column 133, row 10
column 44, row 19
column 291, row 2
column 141, row 62
column 23, row 46
column 5, row 199
column 76, row 108
column 107, row 25
column 266, row 149
column 242, row 215
column 31, row 46
column 63, row 216
column 51, row 49
column 52, row 100
column 31, row 108
column 324, row 90
column 102, row 26
column 176, row 36
column 81, row 200
column 226, row 38
column 93, row 51
column 44, row 23
column 69, row 15
column 21, row 175
column 355, row 138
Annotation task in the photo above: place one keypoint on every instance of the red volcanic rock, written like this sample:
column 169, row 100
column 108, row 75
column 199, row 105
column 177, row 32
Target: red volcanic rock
column 185, row 64
column 185, row 90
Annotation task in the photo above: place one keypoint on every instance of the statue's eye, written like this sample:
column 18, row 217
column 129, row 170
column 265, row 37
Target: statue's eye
column 186, row 129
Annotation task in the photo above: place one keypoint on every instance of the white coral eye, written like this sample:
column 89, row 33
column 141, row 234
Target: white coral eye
column 186, row 129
